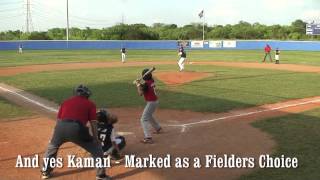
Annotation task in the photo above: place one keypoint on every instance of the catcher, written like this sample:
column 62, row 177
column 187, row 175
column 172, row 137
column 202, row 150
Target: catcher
column 147, row 89
column 111, row 143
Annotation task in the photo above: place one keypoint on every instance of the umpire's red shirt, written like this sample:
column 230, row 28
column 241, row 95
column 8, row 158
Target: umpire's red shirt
column 77, row 108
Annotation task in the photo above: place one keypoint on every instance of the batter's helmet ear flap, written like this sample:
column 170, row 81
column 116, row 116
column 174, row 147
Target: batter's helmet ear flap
column 82, row 90
column 102, row 115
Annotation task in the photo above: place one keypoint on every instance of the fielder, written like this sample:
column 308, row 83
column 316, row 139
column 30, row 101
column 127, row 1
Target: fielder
column 147, row 89
column 183, row 57
column 123, row 55
column 277, row 56
column 20, row 49
column 111, row 143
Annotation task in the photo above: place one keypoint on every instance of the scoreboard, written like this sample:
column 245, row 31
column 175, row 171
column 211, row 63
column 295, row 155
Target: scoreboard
column 313, row 29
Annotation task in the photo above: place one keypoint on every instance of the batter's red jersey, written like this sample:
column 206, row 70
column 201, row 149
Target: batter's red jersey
column 149, row 93
column 77, row 108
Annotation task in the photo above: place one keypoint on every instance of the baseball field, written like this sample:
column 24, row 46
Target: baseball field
column 227, row 102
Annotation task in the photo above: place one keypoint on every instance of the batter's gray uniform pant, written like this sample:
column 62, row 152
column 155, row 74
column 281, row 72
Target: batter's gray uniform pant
column 70, row 131
column 147, row 118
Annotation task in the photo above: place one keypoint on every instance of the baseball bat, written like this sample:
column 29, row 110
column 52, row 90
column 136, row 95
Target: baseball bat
column 148, row 72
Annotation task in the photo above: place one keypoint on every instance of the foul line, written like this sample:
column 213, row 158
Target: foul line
column 47, row 107
column 30, row 100
column 184, row 126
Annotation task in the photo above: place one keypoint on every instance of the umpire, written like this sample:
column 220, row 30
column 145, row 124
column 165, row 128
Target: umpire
column 73, row 115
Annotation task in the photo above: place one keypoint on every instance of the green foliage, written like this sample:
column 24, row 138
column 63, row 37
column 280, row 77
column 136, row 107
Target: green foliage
column 57, row 33
column 39, row 36
column 160, row 31
column 10, row 35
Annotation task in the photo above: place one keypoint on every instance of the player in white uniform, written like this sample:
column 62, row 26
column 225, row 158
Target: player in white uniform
column 277, row 56
column 183, row 57
column 123, row 55
column 20, row 49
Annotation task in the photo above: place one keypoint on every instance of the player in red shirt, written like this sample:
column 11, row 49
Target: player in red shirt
column 147, row 89
column 73, row 116
column 267, row 50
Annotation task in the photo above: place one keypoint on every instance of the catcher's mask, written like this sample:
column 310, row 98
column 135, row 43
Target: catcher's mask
column 147, row 76
column 102, row 115
column 82, row 90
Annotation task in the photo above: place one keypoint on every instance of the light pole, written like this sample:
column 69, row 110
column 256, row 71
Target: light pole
column 67, row 31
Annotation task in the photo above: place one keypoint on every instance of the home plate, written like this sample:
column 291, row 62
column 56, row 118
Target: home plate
column 125, row 133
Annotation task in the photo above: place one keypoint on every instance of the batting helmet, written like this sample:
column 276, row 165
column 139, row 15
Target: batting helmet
column 146, row 76
column 82, row 90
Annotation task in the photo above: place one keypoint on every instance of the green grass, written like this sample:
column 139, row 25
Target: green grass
column 9, row 111
column 228, row 89
column 297, row 135
column 12, row 58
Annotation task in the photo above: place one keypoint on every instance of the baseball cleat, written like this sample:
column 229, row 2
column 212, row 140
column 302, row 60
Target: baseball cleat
column 45, row 175
column 103, row 177
column 147, row 141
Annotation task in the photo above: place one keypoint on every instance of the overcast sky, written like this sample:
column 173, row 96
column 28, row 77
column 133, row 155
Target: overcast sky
column 104, row 13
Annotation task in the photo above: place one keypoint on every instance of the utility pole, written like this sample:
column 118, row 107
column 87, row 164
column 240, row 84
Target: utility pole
column 122, row 19
column 203, row 29
column 67, row 20
column 29, row 25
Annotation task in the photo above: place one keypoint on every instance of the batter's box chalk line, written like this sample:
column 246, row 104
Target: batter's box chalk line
column 186, row 125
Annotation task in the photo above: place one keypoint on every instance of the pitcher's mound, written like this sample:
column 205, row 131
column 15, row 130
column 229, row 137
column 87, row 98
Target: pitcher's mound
column 177, row 78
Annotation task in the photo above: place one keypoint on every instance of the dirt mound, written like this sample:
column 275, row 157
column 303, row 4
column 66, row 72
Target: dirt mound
column 177, row 78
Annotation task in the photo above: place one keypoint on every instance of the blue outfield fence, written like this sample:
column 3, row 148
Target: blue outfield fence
column 170, row 44
column 56, row 45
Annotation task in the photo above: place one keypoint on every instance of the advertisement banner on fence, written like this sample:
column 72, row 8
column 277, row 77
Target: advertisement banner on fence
column 229, row 44
column 215, row 44
column 196, row 44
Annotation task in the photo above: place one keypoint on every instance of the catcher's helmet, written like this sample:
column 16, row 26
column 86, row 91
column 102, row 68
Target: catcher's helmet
column 82, row 90
column 102, row 115
column 147, row 76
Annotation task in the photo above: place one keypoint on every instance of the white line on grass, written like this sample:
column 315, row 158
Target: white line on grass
column 30, row 100
column 52, row 109
column 184, row 126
